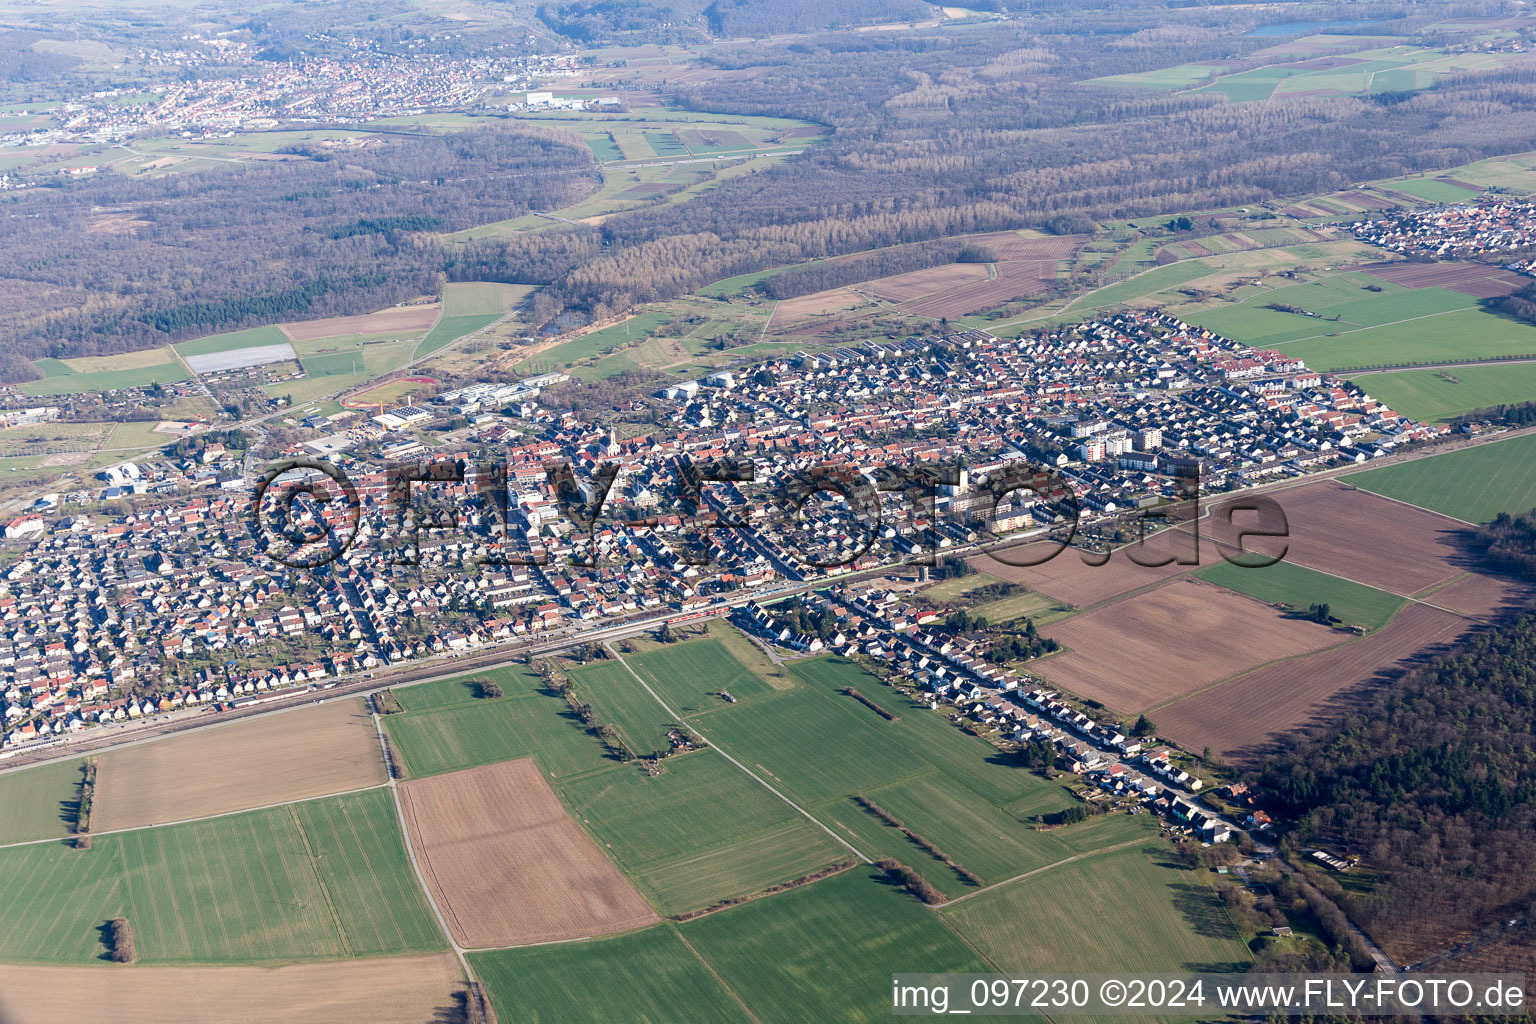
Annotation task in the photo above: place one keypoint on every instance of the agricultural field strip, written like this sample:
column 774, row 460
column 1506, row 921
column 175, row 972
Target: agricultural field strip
column 206, row 817
column 416, row 872
column 722, row 752
column 1041, row 870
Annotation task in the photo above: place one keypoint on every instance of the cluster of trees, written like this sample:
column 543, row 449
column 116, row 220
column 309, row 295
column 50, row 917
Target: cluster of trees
column 1520, row 304
column 911, row 881
column 120, row 936
column 1514, row 414
column 109, row 263
column 1021, row 645
column 83, row 806
column 1509, row 542
column 1433, row 782
column 234, row 440
column 815, row 277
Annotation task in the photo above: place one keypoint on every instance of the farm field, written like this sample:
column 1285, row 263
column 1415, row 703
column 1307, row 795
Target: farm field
column 479, row 298
column 826, row 951
column 450, row 329
column 523, row 723
column 1119, row 654
column 700, row 832
column 462, row 689
column 313, row 751
column 1130, row 906
column 398, row 320
column 253, row 337
column 1241, row 717
column 105, row 380
column 1074, row 582
column 689, row 676
column 596, row 343
column 1458, row 336
column 506, row 863
column 39, row 803
column 1474, row 485
column 1382, row 544
column 651, row 975
column 1299, row 587
column 391, row 990
column 269, row 886
column 620, row 702
column 1440, row 396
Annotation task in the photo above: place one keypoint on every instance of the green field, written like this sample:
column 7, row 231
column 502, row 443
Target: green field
column 334, row 371
column 619, row 701
column 461, row 689
column 689, row 676
column 106, row 380
column 1465, row 335
column 826, row 952
column 1443, row 395
column 1130, row 906
column 1474, row 485
column 481, row 298
column 39, row 803
column 597, row 343
column 450, row 329
column 520, row 724
column 249, row 338
column 1180, row 77
column 650, row 976
column 1433, row 191
column 320, row 880
column 1296, row 585
column 700, row 832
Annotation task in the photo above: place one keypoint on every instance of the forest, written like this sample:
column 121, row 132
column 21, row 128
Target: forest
column 1432, row 780
column 106, row 264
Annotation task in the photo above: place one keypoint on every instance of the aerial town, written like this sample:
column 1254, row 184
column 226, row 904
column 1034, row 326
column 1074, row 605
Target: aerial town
column 177, row 604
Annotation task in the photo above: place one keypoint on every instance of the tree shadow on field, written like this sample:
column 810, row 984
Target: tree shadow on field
column 1200, row 910
column 456, row 1013
column 104, row 936
column 69, row 812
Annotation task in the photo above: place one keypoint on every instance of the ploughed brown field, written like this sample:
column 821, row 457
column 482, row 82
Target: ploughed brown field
column 905, row 287
column 1239, row 717
column 792, row 312
column 277, row 758
column 1010, row 246
column 1071, row 578
column 1476, row 279
column 406, row 320
column 1371, row 539
column 1013, row 281
column 396, row 990
column 507, row 865
column 1144, row 649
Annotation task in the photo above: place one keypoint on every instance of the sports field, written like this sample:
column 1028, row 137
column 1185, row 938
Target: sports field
column 1299, row 587
column 1444, row 394
column 650, row 975
column 826, row 952
column 1135, row 905
column 1474, row 484
column 325, row 879
column 700, row 832
column 39, row 803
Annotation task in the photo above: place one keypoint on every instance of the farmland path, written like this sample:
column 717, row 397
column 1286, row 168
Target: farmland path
column 1041, row 870
column 721, row 751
